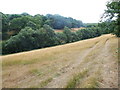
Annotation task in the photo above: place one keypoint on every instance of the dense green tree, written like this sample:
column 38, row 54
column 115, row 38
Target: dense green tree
column 21, row 42
column 12, row 16
column 34, row 32
column 107, row 27
column 29, row 39
column 61, row 38
column 88, row 33
column 74, row 37
column 31, row 24
column 5, row 23
column 59, row 22
column 68, row 34
column 15, row 22
column 19, row 23
column 50, row 36
column 89, row 25
column 113, row 12
column 39, row 20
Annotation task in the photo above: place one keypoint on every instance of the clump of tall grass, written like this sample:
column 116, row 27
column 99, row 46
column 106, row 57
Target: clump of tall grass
column 76, row 79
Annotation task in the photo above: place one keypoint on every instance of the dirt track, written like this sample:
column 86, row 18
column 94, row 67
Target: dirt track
column 57, row 67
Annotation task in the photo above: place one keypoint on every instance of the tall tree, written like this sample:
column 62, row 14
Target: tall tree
column 113, row 14
column 68, row 34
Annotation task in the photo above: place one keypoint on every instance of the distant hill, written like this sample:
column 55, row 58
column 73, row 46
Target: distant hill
column 16, row 22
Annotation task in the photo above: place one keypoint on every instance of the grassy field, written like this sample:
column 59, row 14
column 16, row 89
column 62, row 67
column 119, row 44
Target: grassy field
column 90, row 63
column 72, row 29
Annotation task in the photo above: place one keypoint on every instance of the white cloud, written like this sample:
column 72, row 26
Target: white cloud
column 85, row 10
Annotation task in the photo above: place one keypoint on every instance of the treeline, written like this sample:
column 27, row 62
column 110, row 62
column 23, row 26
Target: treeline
column 13, row 23
column 29, row 38
column 35, row 32
column 59, row 22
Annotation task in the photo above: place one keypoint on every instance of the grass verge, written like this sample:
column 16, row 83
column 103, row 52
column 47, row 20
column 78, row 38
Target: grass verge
column 43, row 83
column 76, row 79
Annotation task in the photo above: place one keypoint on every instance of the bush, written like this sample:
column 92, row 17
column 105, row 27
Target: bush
column 29, row 39
column 21, row 42
column 68, row 34
column 61, row 38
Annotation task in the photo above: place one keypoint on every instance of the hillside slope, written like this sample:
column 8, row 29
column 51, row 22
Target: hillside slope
column 89, row 63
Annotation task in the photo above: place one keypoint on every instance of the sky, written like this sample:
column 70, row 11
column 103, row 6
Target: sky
column 89, row 11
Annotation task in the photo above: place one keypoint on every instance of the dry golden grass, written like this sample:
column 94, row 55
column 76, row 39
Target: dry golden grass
column 76, row 29
column 72, row 29
column 59, row 66
column 58, row 31
column 11, row 32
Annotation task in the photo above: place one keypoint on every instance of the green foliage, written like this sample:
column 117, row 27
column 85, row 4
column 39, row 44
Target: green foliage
column 19, row 23
column 23, row 32
column 5, row 24
column 31, row 25
column 107, row 27
column 91, row 24
column 49, row 36
column 12, row 16
column 21, row 42
column 74, row 36
column 88, row 33
column 16, row 22
column 113, row 11
column 68, row 34
column 59, row 22
column 29, row 39
column 76, row 79
column 61, row 38
column 4, row 36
